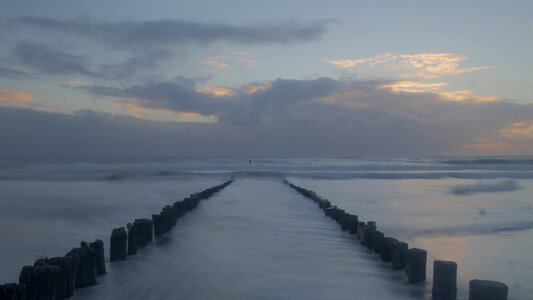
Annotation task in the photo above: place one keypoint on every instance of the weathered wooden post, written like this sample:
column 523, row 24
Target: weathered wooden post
column 444, row 280
column 338, row 215
column 360, row 231
column 367, row 236
column 167, row 216
column 159, row 224
column 352, row 229
column 399, row 255
column 345, row 222
column 324, row 204
column 173, row 214
column 9, row 291
column 180, row 208
column 98, row 246
column 47, row 280
column 65, row 282
column 378, row 241
column 142, row 232
column 386, row 253
column 416, row 265
column 28, row 283
column 487, row 290
column 87, row 267
column 149, row 230
column 132, row 239
column 118, row 246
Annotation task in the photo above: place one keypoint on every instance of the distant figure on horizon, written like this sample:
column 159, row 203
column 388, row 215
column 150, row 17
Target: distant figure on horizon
column 250, row 161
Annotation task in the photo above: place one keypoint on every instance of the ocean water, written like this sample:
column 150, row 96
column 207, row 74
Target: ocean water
column 258, row 239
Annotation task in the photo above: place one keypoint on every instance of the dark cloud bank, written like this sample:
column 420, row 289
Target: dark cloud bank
column 145, row 44
column 170, row 32
column 320, row 117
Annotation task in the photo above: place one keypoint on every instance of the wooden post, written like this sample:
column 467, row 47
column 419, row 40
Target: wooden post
column 444, row 280
column 118, row 246
column 132, row 239
column 416, row 265
column 98, row 246
column 399, row 255
column 487, row 290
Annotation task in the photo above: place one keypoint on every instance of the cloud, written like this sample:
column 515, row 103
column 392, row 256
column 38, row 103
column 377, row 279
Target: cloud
column 180, row 95
column 140, row 34
column 243, row 105
column 414, row 72
column 217, row 91
column 407, row 86
column 141, row 45
column 345, row 63
column 162, row 114
column 12, row 73
column 417, row 65
column 223, row 62
column 486, row 187
column 55, row 61
column 51, row 61
column 256, row 87
column 245, row 58
column 520, row 129
column 325, row 116
column 140, row 61
column 215, row 62
column 14, row 96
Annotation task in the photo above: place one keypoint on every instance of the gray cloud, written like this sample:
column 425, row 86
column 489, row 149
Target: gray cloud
column 144, row 44
column 51, row 61
column 335, row 117
column 139, row 62
column 178, row 95
column 244, row 109
column 283, row 91
column 135, row 34
column 12, row 73
column 54, row 61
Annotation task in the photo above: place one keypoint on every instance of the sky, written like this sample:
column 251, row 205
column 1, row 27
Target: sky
column 266, row 78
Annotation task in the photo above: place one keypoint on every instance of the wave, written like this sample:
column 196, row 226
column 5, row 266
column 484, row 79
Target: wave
column 484, row 187
column 82, row 175
column 112, row 169
column 476, row 229
column 490, row 161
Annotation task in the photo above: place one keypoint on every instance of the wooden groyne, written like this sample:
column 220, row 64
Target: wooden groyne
column 411, row 260
column 57, row 278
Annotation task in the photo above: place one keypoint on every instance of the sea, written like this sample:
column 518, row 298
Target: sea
column 259, row 239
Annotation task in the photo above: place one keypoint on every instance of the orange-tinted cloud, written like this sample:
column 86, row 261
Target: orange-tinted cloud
column 245, row 58
column 215, row 62
column 137, row 110
column 345, row 63
column 224, row 62
column 418, row 65
column 217, row 91
column 15, row 96
column 521, row 129
column 350, row 98
column 494, row 146
column 256, row 87
column 408, row 86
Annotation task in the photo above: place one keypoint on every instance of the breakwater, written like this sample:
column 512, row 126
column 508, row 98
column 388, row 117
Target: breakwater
column 412, row 261
column 59, row 277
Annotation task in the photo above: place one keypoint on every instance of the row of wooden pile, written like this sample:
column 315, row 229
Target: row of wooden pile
column 56, row 278
column 411, row 260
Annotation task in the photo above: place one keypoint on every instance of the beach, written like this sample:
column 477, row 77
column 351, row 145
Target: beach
column 259, row 239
